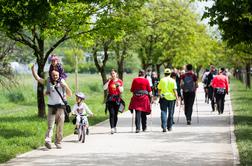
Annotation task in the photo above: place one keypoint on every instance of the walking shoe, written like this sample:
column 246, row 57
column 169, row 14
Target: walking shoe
column 170, row 129
column 48, row 145
column 58, row 146
column 137, row 130
column 112, row 131
column 188, row 122
column 144, row 129
column 115, row 130
column 164, row 130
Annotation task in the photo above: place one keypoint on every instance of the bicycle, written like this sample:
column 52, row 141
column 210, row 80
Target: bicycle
column 83, row 130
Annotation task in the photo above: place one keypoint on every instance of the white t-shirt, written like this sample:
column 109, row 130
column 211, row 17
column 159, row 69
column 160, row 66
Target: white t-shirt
column 81, row 110
column 53, row 97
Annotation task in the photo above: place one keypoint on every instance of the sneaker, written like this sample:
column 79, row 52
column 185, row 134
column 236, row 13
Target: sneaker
column 112, row 131
column 58, row 146
column 170, row 129
column 164, row 130
column 188, row 122
column 48, row 145
column 137, row 130
column 115, row 130
column 87, row 131
column 144, row 129
column 76, row 131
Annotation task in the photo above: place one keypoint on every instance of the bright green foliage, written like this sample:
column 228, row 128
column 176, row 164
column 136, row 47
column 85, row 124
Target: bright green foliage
column 234, row 19
column 172, row 36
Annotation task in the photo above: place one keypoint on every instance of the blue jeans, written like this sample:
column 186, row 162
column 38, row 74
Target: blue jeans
column 164, row 105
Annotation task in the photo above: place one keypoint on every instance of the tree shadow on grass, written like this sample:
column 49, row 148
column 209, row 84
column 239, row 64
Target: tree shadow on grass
column 10, row 119
column 10, row 133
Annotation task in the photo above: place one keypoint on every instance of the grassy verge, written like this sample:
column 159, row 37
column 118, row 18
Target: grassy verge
column 20, row 128
column 242, row 106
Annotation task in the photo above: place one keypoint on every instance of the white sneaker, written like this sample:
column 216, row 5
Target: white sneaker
column 112, row 130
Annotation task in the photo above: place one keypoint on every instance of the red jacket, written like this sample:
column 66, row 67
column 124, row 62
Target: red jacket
column 140, row 103
column 220, row 81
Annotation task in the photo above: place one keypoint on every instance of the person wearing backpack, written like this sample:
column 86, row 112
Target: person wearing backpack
column 188, row 83
column 210, row 89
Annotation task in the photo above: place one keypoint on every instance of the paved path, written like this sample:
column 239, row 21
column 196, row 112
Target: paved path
column 208, row 142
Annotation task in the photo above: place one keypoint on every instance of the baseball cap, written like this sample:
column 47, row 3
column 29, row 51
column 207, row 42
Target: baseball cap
column 167, row 71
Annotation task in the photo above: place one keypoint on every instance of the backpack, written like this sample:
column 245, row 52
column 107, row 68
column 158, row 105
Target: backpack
column 189, row 85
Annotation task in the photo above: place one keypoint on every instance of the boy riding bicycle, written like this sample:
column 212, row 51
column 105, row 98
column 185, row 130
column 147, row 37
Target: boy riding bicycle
column 80, row 109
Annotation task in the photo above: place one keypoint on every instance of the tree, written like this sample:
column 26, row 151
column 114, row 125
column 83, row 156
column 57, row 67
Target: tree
column 6, row 48
column 34, row 22
column 234, row 19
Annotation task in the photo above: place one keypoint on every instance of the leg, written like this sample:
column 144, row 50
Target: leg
column 186, row 103
column 116, row 108
column 50, row 125
column 111, row 115
column 222, row 103
column 144, row 120
column 60, row 116
column 163, row 107
column 170, row 116
column 137, row 120
column 191, row 102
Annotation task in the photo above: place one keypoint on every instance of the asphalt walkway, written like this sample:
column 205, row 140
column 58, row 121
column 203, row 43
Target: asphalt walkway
column 208, row 141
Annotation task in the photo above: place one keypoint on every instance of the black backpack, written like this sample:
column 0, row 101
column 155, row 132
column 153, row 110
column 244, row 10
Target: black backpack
column 189, row 84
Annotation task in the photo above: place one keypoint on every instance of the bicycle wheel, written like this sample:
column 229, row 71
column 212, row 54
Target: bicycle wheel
column 80, row 133
column 83, row 134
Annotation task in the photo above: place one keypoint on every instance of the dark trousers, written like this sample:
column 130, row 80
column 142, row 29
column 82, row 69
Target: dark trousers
column 211, row 97
column 140, row 116
column 220, row 99
column 188, row 102
column 113, row 112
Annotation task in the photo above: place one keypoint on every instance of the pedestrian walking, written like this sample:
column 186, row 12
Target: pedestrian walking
column 56, row 106
column 221, row 87
column 167, row 89
column 204, row 81
column 189, row 85
column 114, row 86
column 140, row 101
column 210, row 89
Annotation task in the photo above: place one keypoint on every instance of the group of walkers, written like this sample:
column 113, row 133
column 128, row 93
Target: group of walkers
column 146, row 89
column 216, row 86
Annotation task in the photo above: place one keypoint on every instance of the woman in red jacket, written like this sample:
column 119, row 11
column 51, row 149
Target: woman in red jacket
column 220, row 85
column 140, row 101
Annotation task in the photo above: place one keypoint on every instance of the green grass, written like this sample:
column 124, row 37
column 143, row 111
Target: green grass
column 242, row 106
column 20, row 128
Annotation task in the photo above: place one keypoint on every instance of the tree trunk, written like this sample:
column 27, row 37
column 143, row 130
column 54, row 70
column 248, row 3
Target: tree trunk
column 120, row 60
column 158, row 69
column 248, row 84
column 101, row 68
column 40, row 90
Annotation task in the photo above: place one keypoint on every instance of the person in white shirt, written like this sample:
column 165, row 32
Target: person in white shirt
column 55, row 106
column 80, row 108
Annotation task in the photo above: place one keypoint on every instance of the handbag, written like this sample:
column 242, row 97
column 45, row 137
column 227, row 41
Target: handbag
column 68, row 108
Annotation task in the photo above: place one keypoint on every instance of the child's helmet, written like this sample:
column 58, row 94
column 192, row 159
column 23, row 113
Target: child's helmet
column 80, row 95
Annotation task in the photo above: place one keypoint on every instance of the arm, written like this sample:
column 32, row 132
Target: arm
column 105, row 86
column 89, row 112
column 68, row 90
column 36, row 76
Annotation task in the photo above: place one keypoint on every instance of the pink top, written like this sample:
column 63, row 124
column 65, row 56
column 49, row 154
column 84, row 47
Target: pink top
column 220, row 81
